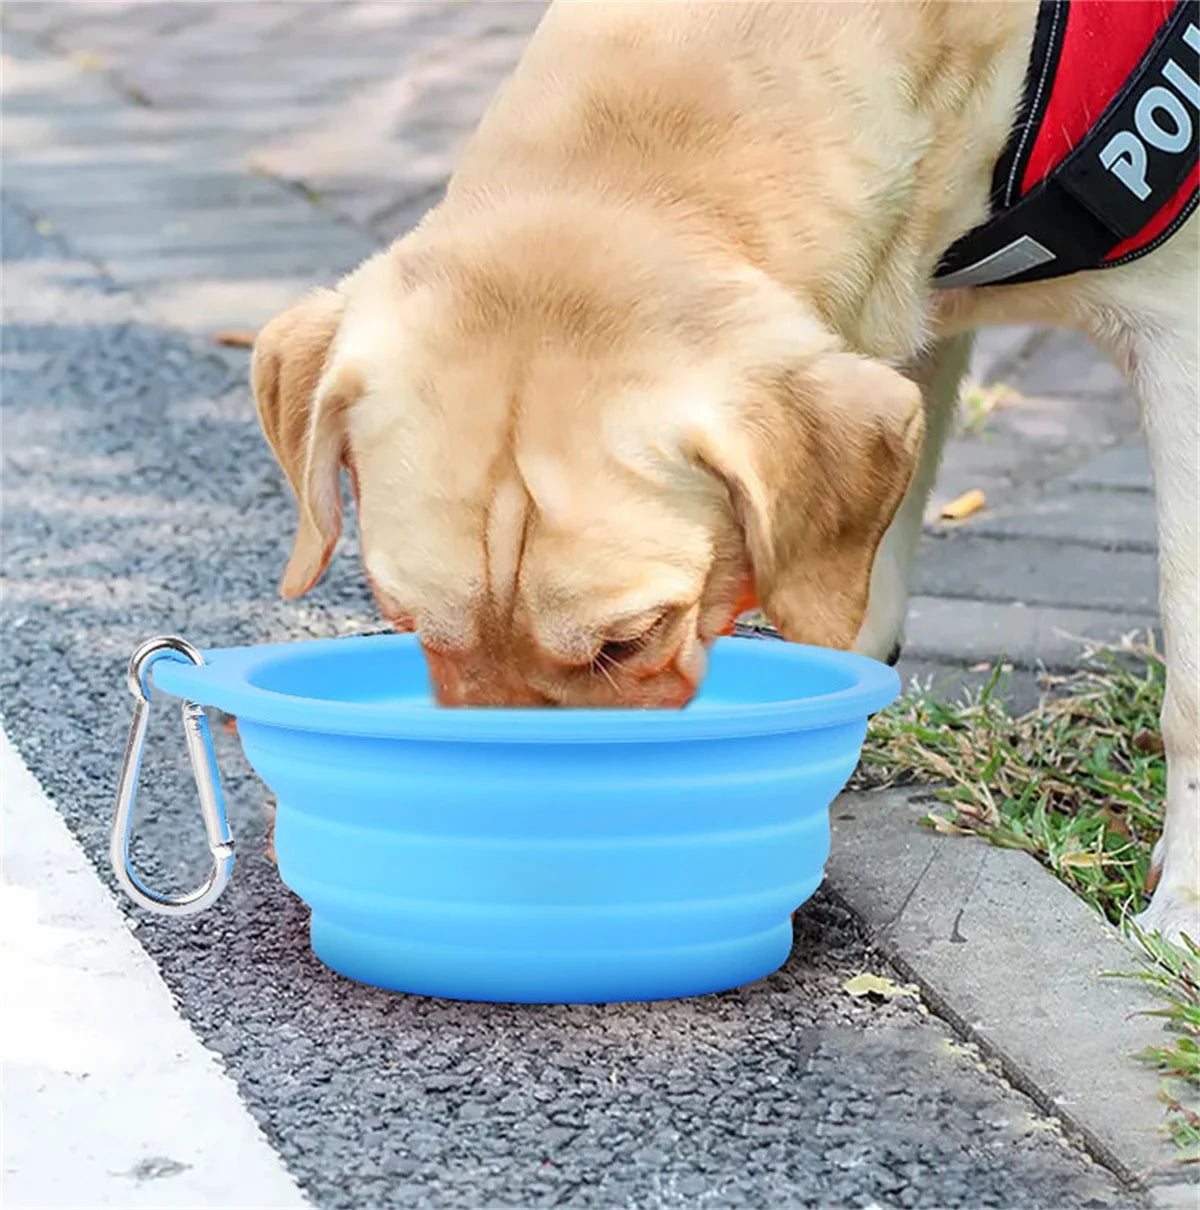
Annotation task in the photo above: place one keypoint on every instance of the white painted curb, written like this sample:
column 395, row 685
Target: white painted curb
column 109, row 1099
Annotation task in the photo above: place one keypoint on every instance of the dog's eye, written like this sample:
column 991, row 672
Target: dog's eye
column 618, row 650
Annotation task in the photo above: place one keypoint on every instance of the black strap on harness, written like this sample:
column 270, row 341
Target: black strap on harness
column 1128, row 166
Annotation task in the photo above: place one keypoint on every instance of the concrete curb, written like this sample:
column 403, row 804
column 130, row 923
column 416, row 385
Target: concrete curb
column 111, row 1100
column 1011, row 957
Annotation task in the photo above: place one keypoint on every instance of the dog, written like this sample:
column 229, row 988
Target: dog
column 686, row 333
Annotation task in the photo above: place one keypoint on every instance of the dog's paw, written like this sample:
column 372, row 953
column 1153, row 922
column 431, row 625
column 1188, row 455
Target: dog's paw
column 1174, row 912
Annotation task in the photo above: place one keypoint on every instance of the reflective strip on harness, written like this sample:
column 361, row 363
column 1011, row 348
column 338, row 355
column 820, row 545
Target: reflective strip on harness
column 1071, row 193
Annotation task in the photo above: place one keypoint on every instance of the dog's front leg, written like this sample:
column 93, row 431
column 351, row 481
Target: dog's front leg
column 1165, row 369
column 1145, row 314
column 939, row 373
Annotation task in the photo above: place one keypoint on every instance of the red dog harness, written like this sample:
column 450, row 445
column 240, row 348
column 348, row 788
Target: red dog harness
column 1101, row 166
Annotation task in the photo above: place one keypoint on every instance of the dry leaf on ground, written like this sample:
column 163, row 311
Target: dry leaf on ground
column 947, row 827
column 878, row 985
column 1150, row 742
column 1081, row 861
column 235, row 338
column 963, row 506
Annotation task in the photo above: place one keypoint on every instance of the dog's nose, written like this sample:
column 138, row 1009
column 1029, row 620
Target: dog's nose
column 894, row 655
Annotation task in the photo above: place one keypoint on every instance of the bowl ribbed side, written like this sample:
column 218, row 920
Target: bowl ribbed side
column 553, row 872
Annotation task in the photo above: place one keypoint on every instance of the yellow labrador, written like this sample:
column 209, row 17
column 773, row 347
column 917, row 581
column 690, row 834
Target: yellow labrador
column 643, row 365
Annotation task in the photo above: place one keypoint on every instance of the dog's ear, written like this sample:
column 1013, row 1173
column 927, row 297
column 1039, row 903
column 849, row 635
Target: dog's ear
column 816, row 459
column 302, row 406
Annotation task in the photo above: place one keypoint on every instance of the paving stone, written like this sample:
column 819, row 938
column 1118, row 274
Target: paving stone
column 129, row 232
column 1126, row 468
column 56, row 85
column 231, row 25
column 320, row 248
column 999, row 349
column 119, row 124
column 1067, row 364
column 241, row 87
column 27, row 145
column 209, row 304
column 1036, row 571
column 97, row 186
column 235, row 264
column 1113, row 520
column 944, row 912
column 113, row 27
column 965, row 631
column 382, row 23
column 396, row 141
column 1061, row 426
column 1184, row 1194
column 1034, row 442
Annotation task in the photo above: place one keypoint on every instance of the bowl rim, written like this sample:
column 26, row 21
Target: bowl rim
column 224, row 681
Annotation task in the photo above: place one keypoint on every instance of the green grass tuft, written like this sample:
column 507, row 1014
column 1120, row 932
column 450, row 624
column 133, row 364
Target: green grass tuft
column 1078, row 782
column 1173, row 974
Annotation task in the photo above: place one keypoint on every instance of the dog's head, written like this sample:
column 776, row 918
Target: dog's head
column 576, row 464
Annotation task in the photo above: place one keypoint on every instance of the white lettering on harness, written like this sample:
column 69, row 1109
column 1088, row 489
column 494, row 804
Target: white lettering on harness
column 1160, row 120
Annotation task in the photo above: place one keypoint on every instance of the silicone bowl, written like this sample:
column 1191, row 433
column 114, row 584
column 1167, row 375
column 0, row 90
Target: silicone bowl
column 561, row 856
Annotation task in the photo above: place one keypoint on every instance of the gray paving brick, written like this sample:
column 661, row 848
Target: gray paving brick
column 231, row 25
column 206, row 304
column 182, row 223
column 1113, row 520
column 947, row 630
column 121, row 34
column 32, row 78
column 212, row 233
column 211, row 147
column 998, row 350
column 101, row 186
column 1032, row 440
column 1125, row 468
column 121, row 124
column 104, row 25
column 44, row 21
column 395, row 143
column 235, row 265
column 242, row 74
column 1068, row 364
column 1036, row 571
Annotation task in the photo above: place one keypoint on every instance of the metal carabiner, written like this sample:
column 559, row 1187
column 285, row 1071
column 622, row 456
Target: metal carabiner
column 204, row 770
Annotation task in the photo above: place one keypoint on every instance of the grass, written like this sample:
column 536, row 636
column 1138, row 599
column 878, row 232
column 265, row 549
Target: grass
column 1078, row 782
column 978, row 401
column 1172, row 973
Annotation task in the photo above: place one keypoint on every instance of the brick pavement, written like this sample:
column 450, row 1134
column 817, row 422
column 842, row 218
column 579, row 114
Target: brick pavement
column 220, row 158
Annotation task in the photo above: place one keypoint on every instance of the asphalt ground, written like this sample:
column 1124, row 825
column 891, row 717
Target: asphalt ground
column 140, row 498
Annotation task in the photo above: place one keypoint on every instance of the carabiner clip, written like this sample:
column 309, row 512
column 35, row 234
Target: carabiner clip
column 204, row 770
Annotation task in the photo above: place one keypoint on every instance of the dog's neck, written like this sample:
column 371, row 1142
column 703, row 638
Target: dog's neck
column 707, row 126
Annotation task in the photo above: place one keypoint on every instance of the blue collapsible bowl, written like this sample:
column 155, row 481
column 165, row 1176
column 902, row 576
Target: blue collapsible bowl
column 563, row 856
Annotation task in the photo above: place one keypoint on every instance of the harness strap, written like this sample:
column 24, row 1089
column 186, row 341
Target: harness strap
column 1124, row 188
